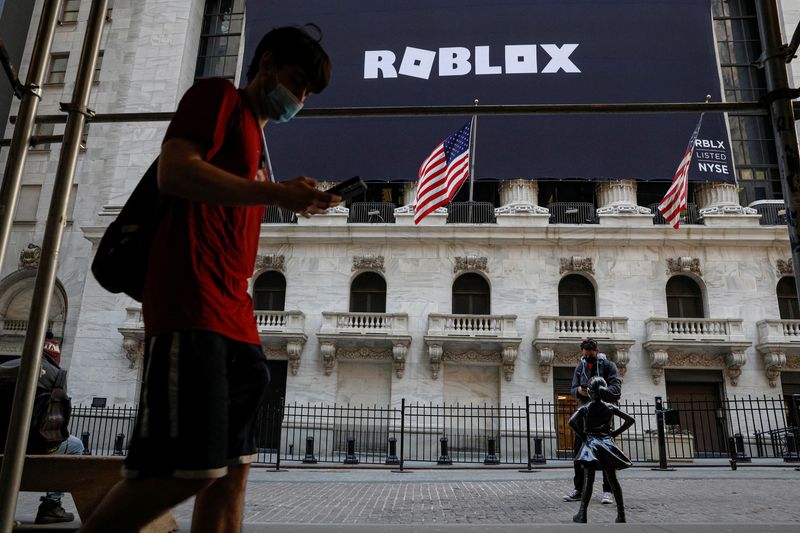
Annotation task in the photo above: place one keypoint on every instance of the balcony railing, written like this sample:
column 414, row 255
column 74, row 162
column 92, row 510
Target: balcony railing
column 371, row 213
column 470, row 213
column 472, row 325
column 364, row 323
column 773, row 212
column 695, row 329
column 278, row 215
column 20, row 327
column 691, row 215
column 581, row 326
column 572, row 213
column 779, row 332
column 280, row 321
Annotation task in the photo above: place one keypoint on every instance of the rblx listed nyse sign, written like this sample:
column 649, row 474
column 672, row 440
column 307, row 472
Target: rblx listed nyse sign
column 447, row 52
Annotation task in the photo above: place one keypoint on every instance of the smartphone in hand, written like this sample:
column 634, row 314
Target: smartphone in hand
column 349, row 189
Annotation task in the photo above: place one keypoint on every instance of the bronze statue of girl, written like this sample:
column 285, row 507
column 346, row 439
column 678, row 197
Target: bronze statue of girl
column 592, row 424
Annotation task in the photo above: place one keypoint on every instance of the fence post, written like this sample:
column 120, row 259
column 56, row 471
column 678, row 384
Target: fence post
column 391, row 457
column 528, row 427
column 741, row 456
column 402, row 436
column 85, row 439
column 662, row 437
column 732, row 452
column 444, row 458
column 119, row 443
column 280, row 430
column 350, row 458
column 309, row 458
column 491, row 455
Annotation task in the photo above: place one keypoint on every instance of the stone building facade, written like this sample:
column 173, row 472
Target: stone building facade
column 375, row 311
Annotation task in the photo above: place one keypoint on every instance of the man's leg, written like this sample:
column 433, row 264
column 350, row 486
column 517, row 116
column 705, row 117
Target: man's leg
column 218, row 508
column 50, row 510
column 133, row 503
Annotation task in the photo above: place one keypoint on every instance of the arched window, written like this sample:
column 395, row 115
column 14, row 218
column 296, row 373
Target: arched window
column 368, row 293
column 787, row 298
column 471, row 295
column 576, row 296
column 684, row 298
column 269, row 291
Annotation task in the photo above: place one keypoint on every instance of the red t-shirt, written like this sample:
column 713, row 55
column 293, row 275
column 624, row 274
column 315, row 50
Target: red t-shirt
column 202, row 254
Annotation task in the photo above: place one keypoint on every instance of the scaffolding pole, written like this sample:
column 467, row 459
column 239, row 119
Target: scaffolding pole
column 14, row 457
column 773, row 59
column 32, row 94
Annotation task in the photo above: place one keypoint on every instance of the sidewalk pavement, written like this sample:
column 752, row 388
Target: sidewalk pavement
column 479, row 500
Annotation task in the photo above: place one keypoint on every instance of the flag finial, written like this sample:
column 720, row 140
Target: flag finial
column 477, row 102
column 708, row 98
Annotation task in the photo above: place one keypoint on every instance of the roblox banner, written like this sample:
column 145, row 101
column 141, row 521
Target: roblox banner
column 440, row 52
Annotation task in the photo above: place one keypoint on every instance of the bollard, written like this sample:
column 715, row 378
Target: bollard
column 732, row 452
column 85, row 439
column 491, row 456
column 291, row 450
column 391, row 458
column 741, row 456
column 791, row 454
column 538, row 453
column 662, row 438
column 119, row 442
column 309, row 458
column 350, row 458
column 444, row 458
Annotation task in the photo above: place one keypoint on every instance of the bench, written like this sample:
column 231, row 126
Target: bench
column 88, row 478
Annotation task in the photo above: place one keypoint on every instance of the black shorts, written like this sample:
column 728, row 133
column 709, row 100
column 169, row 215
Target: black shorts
column 200, row 394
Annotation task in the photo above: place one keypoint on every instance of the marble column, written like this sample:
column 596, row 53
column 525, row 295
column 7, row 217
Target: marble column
column 618, row 197
column 520, row 196
column 719, row 199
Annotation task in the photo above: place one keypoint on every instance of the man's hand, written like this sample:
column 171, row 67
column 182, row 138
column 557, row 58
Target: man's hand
column 583, row 391
column 302, row 196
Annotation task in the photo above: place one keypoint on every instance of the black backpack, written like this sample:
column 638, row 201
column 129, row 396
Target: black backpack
column 120, row 263
column 51, row 409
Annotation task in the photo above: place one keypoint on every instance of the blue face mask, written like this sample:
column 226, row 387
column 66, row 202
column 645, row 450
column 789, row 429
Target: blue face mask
column 280, row 103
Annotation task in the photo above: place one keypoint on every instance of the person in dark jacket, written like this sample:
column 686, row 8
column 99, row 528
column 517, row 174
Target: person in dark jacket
column 592, row 363
column 592, row 424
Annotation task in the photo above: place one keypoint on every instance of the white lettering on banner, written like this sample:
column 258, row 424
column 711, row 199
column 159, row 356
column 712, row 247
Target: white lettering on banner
column 455, row 61
column 704, row 143
column 482, row 65
column 417, row 62
column 711, row 156
column 379, row 60
column 713, row 167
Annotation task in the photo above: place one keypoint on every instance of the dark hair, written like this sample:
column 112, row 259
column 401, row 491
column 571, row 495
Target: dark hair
column 292, row 45
column 594, row 386
column 589, row 344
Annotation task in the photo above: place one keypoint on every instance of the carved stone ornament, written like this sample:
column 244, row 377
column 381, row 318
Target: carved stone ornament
column 696, row 360
column 773, row 364
column 274, row 353
column 621, row 358
column 363, row 353
column 733, row 365
column 683, row 264
column 576, row 263
column 471, row 262
column 566, row 359
column 368, row 262
column 472, row 356
column 658, row 360
column 785, row 268
column 293, row 350
column 509, row 358
column 546, row 357
column 435, row 354
column 328, row 352
column 134, row 350
column 29, row 257
column 792, row 362
column 521, row 209
column 399, row 353
column 271, row 262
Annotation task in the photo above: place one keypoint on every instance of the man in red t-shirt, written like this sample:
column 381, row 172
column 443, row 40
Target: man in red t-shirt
column 204, row 371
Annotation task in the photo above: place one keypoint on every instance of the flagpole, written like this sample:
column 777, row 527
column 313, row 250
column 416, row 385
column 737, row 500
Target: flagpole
column 473, row 128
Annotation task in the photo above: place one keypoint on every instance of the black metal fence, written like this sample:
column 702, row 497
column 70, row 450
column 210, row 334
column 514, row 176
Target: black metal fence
column 773, row 213
column 572, row 213
column 371, row 213
column 471, row 213
column 529, row 433
column 278, row 215
column 690, row 215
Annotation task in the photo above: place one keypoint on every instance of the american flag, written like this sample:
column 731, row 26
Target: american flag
column 675, row 200
column 442, row 173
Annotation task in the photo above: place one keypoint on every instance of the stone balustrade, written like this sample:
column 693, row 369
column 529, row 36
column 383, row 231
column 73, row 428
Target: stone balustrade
column 779, row 346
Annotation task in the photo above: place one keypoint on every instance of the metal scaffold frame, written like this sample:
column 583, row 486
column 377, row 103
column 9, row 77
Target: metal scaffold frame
column 778, row 103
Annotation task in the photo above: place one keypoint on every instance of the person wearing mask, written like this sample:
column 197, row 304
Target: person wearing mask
column 593, row 363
